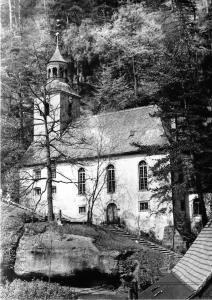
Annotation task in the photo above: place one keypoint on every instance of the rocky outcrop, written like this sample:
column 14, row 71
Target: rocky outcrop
column 12, row 228
column 48, row 251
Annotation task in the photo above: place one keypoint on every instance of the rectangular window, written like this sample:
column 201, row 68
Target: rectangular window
column 82, row 210
column 37, row 191
column 196, row 207
column 143, row 206
column 37, row 174
column 54, row 189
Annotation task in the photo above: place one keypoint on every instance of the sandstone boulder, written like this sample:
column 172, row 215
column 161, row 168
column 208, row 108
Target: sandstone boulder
column 50, row 252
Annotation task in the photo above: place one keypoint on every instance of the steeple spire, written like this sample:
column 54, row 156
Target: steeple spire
column 57, row 38
column 57, row 66
column 57, row 55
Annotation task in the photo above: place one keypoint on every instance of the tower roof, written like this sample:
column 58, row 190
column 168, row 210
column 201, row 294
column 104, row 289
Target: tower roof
column 57, row 56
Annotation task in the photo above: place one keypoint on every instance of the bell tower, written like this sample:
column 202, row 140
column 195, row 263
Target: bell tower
column 57, row 68
column 61, row 103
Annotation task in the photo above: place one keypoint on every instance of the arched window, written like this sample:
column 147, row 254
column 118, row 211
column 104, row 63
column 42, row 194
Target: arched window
column 54, row 72
column 61, row 72
column 196, row 207
column 49, row 73
column 81, row 181
column 142, row 170
column 111, row 185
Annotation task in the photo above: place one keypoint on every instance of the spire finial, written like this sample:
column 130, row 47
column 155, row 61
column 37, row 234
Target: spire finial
column 57, row 38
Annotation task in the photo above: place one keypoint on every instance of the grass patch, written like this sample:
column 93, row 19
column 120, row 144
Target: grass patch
column 104, row 239
column 35, row 289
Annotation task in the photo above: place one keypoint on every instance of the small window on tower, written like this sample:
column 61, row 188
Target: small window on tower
column 54, row 189
column 53, row 167
column 54, row 72
column 61, row 72
column 37, row 191
column 37, row 174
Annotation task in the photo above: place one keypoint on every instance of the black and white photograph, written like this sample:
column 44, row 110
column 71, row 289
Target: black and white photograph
column 106, row 149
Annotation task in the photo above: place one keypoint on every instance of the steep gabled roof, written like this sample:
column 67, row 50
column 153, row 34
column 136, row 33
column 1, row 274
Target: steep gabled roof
column 195, row 267
column 106, row 134
column 190, row 275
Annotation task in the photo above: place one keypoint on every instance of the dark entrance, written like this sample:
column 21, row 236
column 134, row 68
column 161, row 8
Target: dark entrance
column 112, row 217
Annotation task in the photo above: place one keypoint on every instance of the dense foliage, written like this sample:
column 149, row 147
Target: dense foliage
column 35, row 289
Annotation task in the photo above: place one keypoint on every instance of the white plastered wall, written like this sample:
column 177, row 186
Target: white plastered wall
column 126, row 196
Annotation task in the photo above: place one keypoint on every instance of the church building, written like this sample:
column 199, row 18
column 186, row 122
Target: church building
column 96, row 165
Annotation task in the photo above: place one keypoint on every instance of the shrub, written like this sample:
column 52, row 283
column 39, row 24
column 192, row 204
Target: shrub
column 35, row 289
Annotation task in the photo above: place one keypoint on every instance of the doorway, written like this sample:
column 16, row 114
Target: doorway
column 112, row 217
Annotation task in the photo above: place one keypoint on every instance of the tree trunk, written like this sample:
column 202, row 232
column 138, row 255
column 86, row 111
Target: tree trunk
column 201, row 198
column 21, row 115
column 89, row 217
column 49, row 189
column 49, row 174
column 19, row 15
column 10, row 14
column 135, row 78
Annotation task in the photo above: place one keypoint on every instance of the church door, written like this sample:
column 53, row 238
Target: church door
column 112, row 217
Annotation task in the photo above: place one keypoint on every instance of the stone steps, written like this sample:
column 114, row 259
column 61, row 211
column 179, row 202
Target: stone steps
column 145, row 242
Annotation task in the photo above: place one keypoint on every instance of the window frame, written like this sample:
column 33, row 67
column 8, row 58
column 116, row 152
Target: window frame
column 143, row 202
column 54, row 189
column 81, row 182
column 37, row 189
column 37, row 174
column 111, row 179
column 195, row 202
column 143, row 180
column 82, row 212
column 53, row 170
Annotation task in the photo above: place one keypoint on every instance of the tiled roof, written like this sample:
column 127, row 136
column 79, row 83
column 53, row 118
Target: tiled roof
column 107, row 134
column 195, row 267
column 190, row 275
column 168, row 287
column 57, row 56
